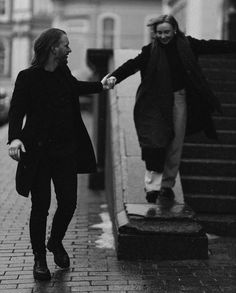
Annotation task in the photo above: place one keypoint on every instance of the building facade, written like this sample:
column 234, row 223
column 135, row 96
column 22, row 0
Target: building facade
column 20, row 23
column 208, row 19
column 103, row 24
column 88, row 23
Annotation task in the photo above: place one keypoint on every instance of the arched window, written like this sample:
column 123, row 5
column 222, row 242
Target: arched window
column 108, row 33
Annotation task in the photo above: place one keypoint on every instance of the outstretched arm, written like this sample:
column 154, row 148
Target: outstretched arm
column 131, row 66
column 201, row 47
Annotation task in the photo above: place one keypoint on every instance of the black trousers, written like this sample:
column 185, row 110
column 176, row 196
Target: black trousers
column 61, row 170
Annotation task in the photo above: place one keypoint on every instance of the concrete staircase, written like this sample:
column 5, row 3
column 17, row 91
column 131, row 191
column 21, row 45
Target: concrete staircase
column 208, row 168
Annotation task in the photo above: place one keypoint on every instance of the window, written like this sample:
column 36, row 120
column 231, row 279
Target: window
column 232, row 21
column 108, row 33
column 2, row 7
column 21, row 10
column 3, row 58
column 4, row 10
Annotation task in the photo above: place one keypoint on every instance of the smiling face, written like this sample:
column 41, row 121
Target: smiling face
column 164, row 32
column 62, row 50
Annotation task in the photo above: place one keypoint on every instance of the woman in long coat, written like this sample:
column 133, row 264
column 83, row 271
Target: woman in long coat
column 173, row 100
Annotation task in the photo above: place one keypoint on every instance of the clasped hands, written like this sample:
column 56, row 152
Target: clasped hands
column 108, row 82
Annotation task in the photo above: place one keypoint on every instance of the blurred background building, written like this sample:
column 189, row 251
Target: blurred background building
column 100, row 24
column 207, row 19
column 89, row 24
column 20, row 22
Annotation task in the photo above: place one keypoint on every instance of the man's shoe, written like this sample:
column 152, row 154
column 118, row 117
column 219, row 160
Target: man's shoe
column 40, row 269
column 167, row 193
column 61, row 257
column 151, row 196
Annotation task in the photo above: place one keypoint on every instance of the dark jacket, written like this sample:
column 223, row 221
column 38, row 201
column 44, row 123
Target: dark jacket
column 30, row 100
column 199, row 108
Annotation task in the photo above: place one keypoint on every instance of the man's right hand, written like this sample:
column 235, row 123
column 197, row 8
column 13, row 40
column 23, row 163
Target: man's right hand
column 15, row 147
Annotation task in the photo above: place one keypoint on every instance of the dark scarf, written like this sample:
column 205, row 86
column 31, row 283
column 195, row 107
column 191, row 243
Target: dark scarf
column 154, row 100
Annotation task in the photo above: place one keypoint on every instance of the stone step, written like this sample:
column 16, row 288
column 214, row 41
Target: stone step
column 209, row 151
column 224, row 86
column 209, row 185
column 225, row 123
column 229, row 110
column 204, row 167
column 223, row 61
column 163, row 231
column 208, row 167
column 206, row 203
column 224, row 137
column 220, row 74
column 223, row 225
column 226, row 98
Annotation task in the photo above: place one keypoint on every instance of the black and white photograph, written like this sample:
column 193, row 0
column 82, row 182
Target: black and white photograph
column 117, row 146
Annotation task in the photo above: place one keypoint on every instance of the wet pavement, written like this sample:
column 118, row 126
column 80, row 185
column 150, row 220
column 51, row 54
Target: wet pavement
column 90, row 244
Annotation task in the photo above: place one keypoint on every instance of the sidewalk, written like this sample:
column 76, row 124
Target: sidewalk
column 94, row 266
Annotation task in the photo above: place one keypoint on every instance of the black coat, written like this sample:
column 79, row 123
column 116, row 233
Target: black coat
column 199, row 108
column 30, row 100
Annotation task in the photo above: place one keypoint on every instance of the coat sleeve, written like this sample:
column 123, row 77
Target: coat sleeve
column 83, row 87
column 201, row 47
column 131, row 66
column 87, row 87
column 18, row 106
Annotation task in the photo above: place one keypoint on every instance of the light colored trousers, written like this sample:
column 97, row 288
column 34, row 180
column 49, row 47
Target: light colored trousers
column 154, row 180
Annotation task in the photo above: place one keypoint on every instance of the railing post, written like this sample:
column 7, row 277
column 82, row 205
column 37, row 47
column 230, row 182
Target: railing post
column 98, row 61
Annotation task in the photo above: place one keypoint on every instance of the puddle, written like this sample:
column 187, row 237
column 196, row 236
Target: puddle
column 106, row 239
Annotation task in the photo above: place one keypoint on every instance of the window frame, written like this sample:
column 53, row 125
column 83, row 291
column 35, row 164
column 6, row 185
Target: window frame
column 100, row 30
column 6, row 63
column 6, row 16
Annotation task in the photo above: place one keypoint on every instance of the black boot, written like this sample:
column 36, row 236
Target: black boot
column 40, row 270
column 151, row 196
column 167, row 193
column 61, row 257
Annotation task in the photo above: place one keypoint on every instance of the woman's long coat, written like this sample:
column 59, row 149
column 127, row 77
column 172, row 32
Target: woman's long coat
column 199, row 107
column 30, row 99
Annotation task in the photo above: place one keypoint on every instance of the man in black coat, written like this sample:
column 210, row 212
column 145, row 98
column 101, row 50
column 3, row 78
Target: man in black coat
column 51, row 144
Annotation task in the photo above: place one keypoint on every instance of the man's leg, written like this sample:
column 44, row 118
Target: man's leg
column 65, row 182
column 40, row 197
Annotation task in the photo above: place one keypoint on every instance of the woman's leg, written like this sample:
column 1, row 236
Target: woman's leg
column 154, row 160
column 174, row 150
column 152, row 180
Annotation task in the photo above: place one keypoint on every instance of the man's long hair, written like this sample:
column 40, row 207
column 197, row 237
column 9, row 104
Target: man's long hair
column 43, row 45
